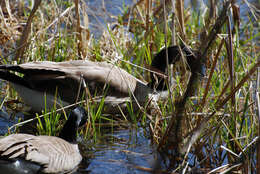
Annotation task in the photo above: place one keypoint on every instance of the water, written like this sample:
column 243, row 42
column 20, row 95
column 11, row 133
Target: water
column 6, row 120
column 101, row 12
column 122, row 152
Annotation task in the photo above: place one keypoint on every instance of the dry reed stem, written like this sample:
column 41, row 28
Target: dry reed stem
column 213, row 10
column 215, row 30
column 236, row 17
column 82, row 32
column 229, row 47
column 22, row 43
column 180, row 14
column 165, row 41
column 78, row 29
column 173, row 24
column 147, row 16
column 258, row 112
column 202, row 104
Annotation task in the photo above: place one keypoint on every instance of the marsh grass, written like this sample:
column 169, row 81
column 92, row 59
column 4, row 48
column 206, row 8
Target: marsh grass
column 219, row 121
column 50, row 124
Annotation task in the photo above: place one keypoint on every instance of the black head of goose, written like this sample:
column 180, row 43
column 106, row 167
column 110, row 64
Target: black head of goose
column 24, row 153
column 60, row 82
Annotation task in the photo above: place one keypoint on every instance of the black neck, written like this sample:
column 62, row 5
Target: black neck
column 69, row 130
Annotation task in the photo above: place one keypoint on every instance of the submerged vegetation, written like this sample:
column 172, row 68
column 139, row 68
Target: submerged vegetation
column 208, row 124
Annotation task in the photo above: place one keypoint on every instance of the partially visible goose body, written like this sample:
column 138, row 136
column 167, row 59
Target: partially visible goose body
column 46, row 82
column 24, row 153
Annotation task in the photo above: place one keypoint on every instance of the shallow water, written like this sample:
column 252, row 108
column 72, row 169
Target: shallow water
column 122, row 152
column 6, row 120
column 101, row 12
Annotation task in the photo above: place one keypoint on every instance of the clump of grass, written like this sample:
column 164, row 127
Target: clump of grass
column 50, row 124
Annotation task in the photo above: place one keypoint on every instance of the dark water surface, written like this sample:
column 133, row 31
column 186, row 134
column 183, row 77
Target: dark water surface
column 122, row 152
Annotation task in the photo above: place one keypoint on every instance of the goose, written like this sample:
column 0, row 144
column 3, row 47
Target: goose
column 25, row 153
column 43, row 84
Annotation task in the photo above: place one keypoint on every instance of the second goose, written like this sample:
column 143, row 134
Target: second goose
column 29, row 154
column 48, row 83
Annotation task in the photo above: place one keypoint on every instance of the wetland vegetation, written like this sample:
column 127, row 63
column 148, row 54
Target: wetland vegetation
column 206, row 124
